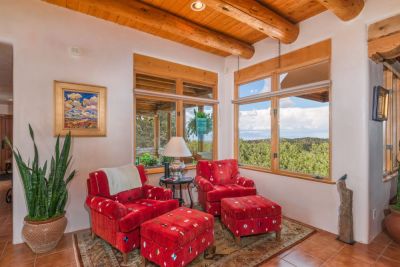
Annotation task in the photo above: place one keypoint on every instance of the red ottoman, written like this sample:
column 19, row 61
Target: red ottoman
column 177, row 237
column 251, row 215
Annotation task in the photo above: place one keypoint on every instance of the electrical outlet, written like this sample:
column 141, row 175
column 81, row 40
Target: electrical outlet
column 373, row 214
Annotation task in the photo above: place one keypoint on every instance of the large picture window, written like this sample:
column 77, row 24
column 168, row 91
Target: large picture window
column 283, row 122
column 182, row 102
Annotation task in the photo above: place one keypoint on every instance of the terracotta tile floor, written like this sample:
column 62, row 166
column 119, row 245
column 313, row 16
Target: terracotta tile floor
column 321, row 249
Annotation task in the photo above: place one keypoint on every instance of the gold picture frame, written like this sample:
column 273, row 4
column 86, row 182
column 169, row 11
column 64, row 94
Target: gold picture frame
column 79, row 108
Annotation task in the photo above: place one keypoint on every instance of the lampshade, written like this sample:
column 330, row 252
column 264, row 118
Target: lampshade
column 176, row 148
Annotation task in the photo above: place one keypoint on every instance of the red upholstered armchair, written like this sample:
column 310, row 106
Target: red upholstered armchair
column 220, row 179
column 117, row 218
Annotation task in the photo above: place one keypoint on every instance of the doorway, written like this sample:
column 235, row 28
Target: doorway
column 6, row 131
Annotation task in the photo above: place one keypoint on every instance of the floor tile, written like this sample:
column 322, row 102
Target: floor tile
column 392, row 252
column 343, row 260
column 277, row 262
column 65, row 243
column 327, row 239
column 321, row 251
column 59, row 259
column 17, row 255
column 360, row 252
column 385, row 262
column 300, row 259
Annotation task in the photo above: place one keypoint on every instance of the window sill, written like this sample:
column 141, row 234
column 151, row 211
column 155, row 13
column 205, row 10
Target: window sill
column 159, row 170
column 289, row 174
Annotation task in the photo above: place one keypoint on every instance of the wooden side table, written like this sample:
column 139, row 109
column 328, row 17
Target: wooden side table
column 185, row 181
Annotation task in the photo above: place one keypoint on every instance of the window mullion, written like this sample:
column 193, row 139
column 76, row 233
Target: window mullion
column 179, row 118
column 388, row 85
column 275, row 125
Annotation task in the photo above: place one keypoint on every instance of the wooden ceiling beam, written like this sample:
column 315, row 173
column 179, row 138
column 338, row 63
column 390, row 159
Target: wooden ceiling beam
column 384, row 39
column 258, row 17
column 344, row 9
column 160, row 20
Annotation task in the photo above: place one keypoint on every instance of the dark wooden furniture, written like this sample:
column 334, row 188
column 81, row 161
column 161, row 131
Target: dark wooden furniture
column 185, row 181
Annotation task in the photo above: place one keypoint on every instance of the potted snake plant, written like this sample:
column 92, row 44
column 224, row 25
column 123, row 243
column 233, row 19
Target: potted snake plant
column 46, row 195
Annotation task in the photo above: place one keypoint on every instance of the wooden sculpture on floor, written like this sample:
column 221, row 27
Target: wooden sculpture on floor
column 345, row 212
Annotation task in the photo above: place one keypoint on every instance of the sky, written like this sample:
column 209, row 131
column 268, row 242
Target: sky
column 298, row 118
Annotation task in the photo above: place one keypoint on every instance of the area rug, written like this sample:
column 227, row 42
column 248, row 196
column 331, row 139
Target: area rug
column 253, row 250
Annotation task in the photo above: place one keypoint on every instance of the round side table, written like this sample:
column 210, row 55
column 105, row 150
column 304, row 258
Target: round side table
column 185, row 181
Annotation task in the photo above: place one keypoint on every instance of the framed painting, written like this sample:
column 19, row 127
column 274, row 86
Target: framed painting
column 80, row 108
column 380, row 104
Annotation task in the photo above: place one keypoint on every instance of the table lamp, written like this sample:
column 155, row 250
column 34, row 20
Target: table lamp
column 177, row 148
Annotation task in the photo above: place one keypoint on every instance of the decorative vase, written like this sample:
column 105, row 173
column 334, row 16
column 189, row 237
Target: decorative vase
column 43, row 236
column 392, row 223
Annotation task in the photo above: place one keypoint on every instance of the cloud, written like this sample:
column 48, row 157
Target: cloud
column 74, row 96
column 294, row 122
column 255, row 120
column 93, row 100
column 91, row 107
column 286, row 102
column 305, row 118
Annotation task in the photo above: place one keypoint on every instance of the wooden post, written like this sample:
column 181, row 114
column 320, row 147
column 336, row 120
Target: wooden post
column 278, row 236
column 200, row 147
column 125, row 256
column 168, row 126
column 156, row 123
column 93, row 235
column 237, row 240
column 143, row 261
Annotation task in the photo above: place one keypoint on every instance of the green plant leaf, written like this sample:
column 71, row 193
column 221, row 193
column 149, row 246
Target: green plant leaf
column 46, row 191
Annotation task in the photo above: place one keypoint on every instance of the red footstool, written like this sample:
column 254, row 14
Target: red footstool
column 177, row 237
column 251, row 215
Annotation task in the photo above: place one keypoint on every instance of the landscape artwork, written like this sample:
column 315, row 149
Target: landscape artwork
column 80, row 109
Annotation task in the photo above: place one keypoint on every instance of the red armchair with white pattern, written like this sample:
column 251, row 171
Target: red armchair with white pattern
column 117, row 218
column 220, row 179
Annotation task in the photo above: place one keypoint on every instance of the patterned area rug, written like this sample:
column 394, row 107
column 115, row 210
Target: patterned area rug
column 252, row 251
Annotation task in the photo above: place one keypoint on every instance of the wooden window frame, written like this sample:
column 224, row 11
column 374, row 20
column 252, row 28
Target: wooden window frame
column 391, row 127
column 180, row 74
column 314, row 54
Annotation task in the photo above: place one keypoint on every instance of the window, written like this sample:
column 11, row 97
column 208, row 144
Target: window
column 255, row 87
column 391, row 133
column 181, row 102
column 306, row 75
column 284, row 127
column 255, row 134
column 199, row 130
column 155, row 125
column 196, row 90
column 304, row 134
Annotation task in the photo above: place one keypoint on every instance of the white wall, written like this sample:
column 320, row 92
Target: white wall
column 41, row 35
column 308, row 201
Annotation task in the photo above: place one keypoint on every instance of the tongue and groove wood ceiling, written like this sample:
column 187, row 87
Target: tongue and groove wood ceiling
column 224, row 27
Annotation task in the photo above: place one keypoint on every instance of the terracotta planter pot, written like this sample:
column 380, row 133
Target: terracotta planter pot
column 392, row 223
column 43, row 236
